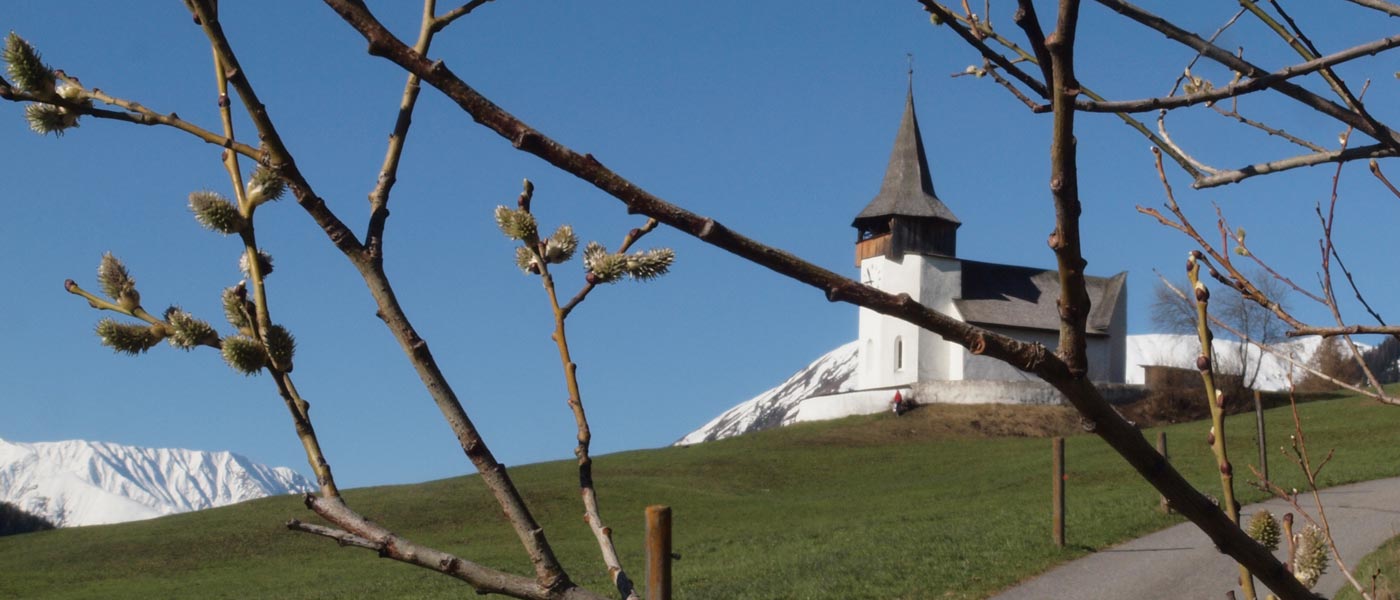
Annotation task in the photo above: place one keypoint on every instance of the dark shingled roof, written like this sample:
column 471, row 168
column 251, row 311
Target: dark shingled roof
column 1024, row 297
column 907, row 189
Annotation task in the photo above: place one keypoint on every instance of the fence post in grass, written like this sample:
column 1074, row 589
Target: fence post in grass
column 1058, row 491
column 1162, row 449
column 658, row 552
column 1259, row 427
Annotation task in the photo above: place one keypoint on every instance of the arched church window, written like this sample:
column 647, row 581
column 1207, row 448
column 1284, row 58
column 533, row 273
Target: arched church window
column 898, row 354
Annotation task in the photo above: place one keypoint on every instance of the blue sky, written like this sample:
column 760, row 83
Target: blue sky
column 776, row 118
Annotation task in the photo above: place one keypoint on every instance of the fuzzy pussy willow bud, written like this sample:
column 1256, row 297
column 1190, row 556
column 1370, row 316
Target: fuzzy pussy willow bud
column 186, row 332
column 117, row 283
column 560, row 247
column 128, row 338
column 237, row 309
column 47, row 118
column 26, row 68
column 1263, row 527
column 216, row 213
column 517, row 224
column 603, row 266
column 650, row 264
column 244, row 354
column 1309, row 555
column 264, row 263
column 265, row 185
column 525, row 259
column 280, row 347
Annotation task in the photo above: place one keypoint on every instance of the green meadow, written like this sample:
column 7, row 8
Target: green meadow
column 945, row 502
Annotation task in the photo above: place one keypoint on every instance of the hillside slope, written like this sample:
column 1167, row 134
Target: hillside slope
column 866, row 507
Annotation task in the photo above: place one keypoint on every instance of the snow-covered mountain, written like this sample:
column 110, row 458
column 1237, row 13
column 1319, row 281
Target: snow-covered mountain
column 76, row 483
column 835, row 372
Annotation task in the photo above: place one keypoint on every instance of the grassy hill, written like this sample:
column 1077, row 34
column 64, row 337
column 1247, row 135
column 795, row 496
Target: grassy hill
column 922, row 506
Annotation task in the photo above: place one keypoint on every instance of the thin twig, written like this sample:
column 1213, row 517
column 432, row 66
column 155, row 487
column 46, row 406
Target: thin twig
column 1248, row 86
column 1234, row 113
column 341, row 536
column 1376, row 171
column 1215, row 400
column 1329, row 250
column 591, row 513
column 448, row 17
column 1389, row 8
column 1372, row 151
column 388, row 172
column 627, row 241
column 132, row 112
column 1247, row 69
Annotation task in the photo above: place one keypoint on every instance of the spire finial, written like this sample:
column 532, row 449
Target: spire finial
column 910, row 57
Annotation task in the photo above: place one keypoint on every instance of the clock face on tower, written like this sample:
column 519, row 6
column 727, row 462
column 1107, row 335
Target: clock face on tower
column 870, row 274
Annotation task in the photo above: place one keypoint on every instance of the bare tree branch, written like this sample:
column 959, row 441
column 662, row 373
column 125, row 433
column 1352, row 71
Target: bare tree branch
column 132, row 112
column 1104, row 420
column 391, row 545
column 388, row 173
column 1372, row 151
column 1389, row 8
column 547, row 568
column 947, row 17
column 448, row 17
column 1384, row 135
column 1247, row 86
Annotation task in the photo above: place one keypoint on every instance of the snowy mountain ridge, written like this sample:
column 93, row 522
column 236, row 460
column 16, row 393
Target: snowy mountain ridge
column 74, row 483
column 835, row 373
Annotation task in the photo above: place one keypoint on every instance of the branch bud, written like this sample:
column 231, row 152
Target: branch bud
column 280, row 348
column 244, row 354
column 186, row 332
column 644, row 266
column 517, row 224
column 117, row 283
column 560, row 247
column 1264, row 529
column 1309, row 555
column 47, row 118
column 236, row 309
column 126, row 338
column 26, row 67
column 1202, row 363
column 265, row 185
column 264, row 263
column 216, row 213
column 526, row 261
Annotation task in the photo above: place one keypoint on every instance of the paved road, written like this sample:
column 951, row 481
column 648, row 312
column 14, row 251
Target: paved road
column 1180, row 563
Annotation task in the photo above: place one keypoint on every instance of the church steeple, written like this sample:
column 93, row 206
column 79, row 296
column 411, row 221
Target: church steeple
column 907, row 209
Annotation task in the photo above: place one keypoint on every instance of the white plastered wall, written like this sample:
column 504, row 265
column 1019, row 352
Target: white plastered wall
column 933, row 281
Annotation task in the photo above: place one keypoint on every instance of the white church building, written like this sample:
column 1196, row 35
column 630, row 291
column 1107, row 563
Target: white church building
column 907, row 243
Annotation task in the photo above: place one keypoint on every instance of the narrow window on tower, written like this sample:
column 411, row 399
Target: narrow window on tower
column 898, row 354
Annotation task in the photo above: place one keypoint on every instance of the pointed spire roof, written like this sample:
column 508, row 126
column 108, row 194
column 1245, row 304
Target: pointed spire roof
column 907, row 190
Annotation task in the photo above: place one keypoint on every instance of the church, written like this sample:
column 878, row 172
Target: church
column 906, row 242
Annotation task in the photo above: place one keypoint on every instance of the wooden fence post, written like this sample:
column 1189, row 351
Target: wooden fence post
column 1162, row 449
column 658, row 552
column 1259, row 428
column 1058, row 492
